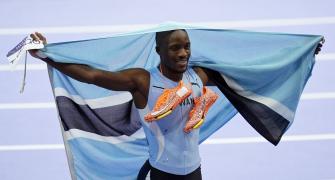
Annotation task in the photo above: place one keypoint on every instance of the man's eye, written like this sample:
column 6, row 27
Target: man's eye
column 175, row 48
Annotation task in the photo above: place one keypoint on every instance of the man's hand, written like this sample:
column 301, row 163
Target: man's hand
column 318, row 48
column 37, row 37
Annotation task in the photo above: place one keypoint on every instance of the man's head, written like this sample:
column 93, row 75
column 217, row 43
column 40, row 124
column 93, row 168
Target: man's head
column 174, row 49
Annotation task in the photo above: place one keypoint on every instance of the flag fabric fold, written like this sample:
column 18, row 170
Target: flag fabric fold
column 259, row 75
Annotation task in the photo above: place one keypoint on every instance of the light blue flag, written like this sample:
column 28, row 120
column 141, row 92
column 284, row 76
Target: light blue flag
column 260, row 75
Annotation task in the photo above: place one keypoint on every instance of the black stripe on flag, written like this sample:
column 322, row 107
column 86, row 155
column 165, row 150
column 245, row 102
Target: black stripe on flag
column 108, row 121
column 264, row 120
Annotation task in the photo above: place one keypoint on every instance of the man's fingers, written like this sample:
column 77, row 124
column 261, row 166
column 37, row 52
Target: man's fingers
column 41, row 37
column 35, row 38
column 317, row 50
column 38, row 37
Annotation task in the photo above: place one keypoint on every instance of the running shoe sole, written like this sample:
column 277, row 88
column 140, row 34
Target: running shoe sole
column 200, row 109
column 168, row 101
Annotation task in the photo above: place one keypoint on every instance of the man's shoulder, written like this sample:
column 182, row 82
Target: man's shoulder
column 201, row 73
column 138, row 75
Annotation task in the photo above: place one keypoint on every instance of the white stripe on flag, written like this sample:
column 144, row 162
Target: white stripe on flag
column 121, row 98
column 274, row 104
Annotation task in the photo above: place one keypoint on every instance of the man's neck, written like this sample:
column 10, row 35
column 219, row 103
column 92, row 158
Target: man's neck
column 172, row 75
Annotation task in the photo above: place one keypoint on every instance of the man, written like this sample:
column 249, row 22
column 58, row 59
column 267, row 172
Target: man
column 176, row 156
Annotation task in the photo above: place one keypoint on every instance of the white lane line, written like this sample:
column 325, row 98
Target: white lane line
column 48, row 105
column 32, row 147
column 291, row 138
column 326, row 57
column 126, row 28
column 211, row 141
column 318, row 96
column 20, row 67
column 40, row 105
column 42, row 67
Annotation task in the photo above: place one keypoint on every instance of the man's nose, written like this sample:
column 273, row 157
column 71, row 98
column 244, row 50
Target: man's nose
column 183, row 53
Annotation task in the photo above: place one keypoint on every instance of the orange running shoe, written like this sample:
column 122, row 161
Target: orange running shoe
column 200, row 109
column 168, row 101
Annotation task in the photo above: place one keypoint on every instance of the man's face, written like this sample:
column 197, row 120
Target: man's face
column 176, row 51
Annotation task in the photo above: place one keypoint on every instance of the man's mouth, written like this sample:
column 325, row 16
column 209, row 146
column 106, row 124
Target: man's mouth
column 182, row 62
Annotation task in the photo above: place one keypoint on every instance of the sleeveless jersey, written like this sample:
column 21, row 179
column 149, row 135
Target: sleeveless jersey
column 171, row 149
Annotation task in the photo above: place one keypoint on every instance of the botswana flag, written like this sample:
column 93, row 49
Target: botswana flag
column 259, row 75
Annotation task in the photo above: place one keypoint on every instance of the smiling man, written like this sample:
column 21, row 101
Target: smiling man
column 173, row 152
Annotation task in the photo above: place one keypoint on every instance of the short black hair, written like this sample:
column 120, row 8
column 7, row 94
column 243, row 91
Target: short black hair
column 161, row 36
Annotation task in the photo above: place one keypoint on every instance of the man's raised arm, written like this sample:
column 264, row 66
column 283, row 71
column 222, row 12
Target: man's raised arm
column 134, row 80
